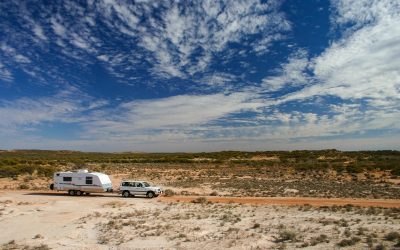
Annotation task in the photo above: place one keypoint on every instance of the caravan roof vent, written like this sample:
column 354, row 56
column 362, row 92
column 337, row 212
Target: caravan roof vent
column 82, row 171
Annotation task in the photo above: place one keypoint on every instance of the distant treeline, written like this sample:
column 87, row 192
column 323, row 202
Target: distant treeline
column 45, row 162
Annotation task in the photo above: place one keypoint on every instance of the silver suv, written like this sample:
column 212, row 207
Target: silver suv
column 131, row 188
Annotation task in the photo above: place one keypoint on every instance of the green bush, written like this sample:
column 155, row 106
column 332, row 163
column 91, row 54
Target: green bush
column 355, row 168
column 8, row 171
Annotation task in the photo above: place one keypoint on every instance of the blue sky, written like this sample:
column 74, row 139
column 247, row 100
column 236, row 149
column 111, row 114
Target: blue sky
column 200, row 75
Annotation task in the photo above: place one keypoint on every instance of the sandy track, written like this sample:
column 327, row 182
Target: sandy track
column 285, row 201
column 289, row 201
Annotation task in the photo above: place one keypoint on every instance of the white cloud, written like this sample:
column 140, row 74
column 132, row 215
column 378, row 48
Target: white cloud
column 10, row 51
column 26, row 112
column 58, row 28
column 184, row 42
column 5, row 74
column 177, row 112
column 365, row 63
column 167, row 39
column 219, row 79
column 38, row 31
column 291, row 73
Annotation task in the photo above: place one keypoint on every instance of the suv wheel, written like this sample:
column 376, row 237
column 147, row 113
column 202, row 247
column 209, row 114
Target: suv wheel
column 150, row 194
column 126, row 194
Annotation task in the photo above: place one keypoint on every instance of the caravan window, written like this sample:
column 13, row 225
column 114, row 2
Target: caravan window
column 89, row 180
column 67, row 178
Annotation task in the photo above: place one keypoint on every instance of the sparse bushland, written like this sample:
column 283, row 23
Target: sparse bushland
column 325, row 173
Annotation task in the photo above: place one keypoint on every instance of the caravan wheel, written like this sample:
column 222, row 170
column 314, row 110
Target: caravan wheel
column 71, row 192
column 79, row 193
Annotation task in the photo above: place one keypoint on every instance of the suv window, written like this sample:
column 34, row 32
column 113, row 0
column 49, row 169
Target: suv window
column 139, row 184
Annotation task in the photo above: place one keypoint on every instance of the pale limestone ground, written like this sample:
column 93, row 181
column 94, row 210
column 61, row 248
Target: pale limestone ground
column 111, row 222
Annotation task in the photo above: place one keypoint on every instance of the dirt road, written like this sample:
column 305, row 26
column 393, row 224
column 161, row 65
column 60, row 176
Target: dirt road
column 285, row 201
column 289, row 201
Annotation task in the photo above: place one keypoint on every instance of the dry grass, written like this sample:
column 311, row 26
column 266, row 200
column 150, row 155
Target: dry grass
column 114, row 204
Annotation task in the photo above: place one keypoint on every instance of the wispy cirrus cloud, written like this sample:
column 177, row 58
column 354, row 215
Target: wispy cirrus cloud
column 5, row 74
column 167, row 40
column 291, row 74
column 364, row 63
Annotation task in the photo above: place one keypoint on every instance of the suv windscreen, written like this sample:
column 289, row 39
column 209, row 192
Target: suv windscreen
column 146, row 184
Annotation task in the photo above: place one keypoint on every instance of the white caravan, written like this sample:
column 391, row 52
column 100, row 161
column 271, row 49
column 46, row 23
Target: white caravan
column 81, row 181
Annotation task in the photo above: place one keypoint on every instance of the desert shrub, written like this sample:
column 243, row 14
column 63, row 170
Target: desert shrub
column 286, row 236
column 369, row 240
column 348, row 242
column 23, row 186
column 38, row 236
column 200, row 200
column 380, row 246
column 347, row 232
column 355, row 168
column 395, row 171
column 13, row 245
column 8, row 171
column 169, row 192
column 114, row 204
column 46, row 171
column 392, row 236
column 25, row 169
column 214, row 193
column 16, row 170
column 320, row 239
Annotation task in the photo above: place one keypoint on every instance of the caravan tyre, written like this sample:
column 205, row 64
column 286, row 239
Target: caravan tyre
column 79, row 193
column 150, row 195
column 52, row 186
column 71, row 192
column 126, row 194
